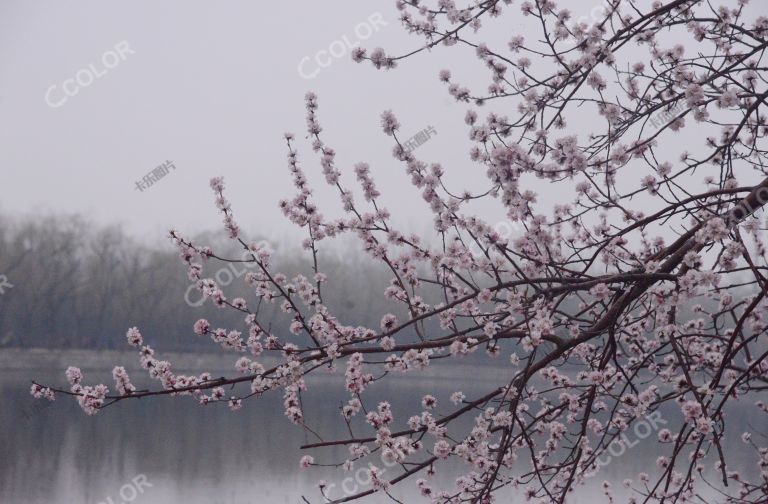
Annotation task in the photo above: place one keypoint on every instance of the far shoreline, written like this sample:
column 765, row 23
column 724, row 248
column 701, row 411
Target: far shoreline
column 14, row 360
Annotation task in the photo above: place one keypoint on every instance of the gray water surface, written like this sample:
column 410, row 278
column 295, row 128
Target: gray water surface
column 54, row 453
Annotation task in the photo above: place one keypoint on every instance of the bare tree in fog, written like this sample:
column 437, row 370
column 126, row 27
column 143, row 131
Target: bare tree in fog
column 600, row 315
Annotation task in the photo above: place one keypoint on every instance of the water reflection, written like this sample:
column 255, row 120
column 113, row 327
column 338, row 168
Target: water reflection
column 203, row 455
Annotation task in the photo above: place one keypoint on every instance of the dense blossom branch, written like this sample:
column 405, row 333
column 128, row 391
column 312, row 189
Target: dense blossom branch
column 644, row 294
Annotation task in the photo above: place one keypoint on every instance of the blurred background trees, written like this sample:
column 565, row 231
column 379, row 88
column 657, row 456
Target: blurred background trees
column 76, row 285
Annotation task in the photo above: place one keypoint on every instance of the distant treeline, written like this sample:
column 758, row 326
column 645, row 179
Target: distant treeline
column 70, row 284
column 77, row 285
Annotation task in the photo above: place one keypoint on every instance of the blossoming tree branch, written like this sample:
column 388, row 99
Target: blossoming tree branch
column 643, row 292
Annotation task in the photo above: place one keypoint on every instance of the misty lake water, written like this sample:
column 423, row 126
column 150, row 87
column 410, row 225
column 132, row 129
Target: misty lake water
column 53, row 453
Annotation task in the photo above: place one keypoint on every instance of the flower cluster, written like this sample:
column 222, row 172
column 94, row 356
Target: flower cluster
column 641, row 290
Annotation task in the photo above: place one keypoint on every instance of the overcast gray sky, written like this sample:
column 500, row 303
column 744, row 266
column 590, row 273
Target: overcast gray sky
column 213, row 86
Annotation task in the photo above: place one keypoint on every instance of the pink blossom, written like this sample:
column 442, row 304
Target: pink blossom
column 389, row 122
column 134, row 337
